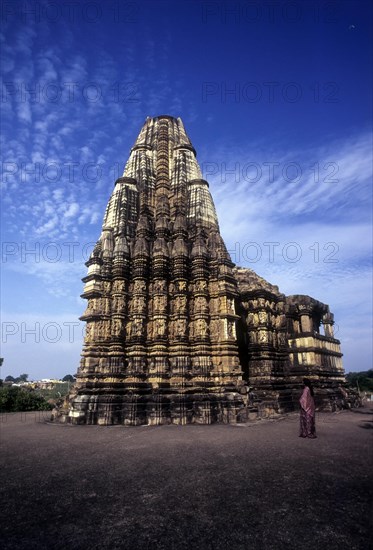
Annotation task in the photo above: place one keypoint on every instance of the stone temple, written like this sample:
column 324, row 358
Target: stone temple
column 175, row 332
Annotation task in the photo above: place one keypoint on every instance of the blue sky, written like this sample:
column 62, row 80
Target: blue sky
column 276, row 98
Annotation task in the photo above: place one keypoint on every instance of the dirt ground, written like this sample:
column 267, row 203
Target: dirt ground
column 253, row 486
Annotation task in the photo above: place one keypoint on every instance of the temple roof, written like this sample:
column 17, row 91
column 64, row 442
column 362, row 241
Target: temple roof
column 249, row 281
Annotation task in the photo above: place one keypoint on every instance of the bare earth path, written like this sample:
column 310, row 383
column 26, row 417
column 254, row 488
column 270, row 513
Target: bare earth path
column 257, row 486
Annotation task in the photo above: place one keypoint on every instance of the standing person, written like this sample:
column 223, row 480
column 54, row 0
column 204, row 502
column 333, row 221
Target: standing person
column 307, row 411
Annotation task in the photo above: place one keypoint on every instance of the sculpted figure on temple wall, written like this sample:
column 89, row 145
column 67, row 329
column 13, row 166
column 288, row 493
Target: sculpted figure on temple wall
column 138, row 304
column 250, row 319
column 201, row 328
column 107, row 331
column 117, row 327
column 200, row 304
column 253, row 337
column 103, row 329
column 214, row 307
column 149, row 330
column 159, row 286
column 201, row 285
column 279, row 307
column 118, row 286
column 180, row 303
column 106, row 287
column 215, row 328
column 281, row 321
column 139, row 286
column 89, row 331
column 263, row 336
column 263, row 317
column 160, row 327
column 213, row 288
column 137, row 327
column 182, row 285
column 99, row 329
column 172, row 330
column 129, row 329
column 159, row 302
column 118, row 303
column 222, row 304
column 180, row 327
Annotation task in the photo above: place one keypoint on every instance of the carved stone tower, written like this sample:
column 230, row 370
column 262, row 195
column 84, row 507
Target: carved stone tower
column 160, row 342
column 174, row 330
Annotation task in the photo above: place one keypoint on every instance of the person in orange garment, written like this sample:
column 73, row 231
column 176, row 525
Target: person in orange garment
column 307, row 411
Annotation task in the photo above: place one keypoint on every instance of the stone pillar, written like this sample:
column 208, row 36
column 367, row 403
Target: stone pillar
column 328, row 322
column 306, row 322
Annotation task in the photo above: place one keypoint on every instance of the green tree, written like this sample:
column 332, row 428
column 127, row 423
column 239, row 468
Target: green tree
column 68, row 378
column 15, row 399
column 10, row 378
column 22, row 378
column 362, row 380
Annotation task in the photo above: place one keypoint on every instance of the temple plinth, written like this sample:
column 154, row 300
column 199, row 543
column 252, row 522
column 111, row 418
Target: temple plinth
column 175, row 331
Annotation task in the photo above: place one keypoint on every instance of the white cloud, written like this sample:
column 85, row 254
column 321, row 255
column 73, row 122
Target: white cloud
column 47, row 227
column 24, row 112
column 72, row 210
column 47, row 69
column 25, row 40
column 58, row 194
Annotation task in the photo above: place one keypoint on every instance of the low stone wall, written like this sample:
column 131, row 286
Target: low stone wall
column 152, row 410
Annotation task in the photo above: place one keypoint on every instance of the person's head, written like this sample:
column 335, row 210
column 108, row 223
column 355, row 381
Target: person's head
column 307, row 382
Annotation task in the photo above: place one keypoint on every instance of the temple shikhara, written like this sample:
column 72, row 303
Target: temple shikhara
column 175, row 332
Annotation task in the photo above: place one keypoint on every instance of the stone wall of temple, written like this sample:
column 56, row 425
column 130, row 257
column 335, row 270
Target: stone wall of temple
column 175, row 333
column 160, row 341
column 286, row 339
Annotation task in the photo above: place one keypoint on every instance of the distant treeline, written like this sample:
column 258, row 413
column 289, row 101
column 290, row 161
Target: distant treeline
column 362, row 380
column 16, row 399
